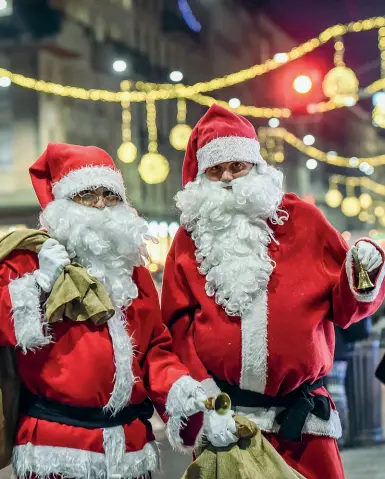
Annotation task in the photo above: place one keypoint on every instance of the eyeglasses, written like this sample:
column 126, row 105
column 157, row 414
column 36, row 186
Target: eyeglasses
column 91, row 198
column 234, row 168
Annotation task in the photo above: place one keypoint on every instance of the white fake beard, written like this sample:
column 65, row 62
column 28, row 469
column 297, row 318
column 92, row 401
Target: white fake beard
column 109, row 243
column 231, row 233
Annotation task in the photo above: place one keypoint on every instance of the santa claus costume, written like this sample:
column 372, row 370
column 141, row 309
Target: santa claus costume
column 254, row 281
column 87, row 388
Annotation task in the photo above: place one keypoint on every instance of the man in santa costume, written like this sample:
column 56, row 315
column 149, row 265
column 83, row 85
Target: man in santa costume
column 253, row 284
column 86, row 388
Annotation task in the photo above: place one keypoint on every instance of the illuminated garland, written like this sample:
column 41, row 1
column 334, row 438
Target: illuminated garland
column 330, row 158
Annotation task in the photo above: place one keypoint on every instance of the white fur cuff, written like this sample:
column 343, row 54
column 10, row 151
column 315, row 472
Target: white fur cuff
column 182, row 390
column 210, row 387
column 30, row 328
column 371, row 295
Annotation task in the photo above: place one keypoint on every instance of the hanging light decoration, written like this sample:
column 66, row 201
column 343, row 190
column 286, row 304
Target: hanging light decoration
column 351, row 205
column 154, row 167
column 333, row 197
column 340, row 83
column 378, row 114
column 127, row 151
column 181, row 132
column 366, row 201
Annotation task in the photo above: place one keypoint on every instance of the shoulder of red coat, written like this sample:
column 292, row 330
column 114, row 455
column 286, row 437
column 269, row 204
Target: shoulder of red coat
column 183, row 239
column 300, row 208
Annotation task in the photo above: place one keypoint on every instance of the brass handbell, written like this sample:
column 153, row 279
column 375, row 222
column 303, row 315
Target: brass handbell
column 220, row 404
column 364, row 281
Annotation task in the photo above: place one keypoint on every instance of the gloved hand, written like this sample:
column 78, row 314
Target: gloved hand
column 53, row 257
column 368, row 255
column 195, row 403
column 220, row 430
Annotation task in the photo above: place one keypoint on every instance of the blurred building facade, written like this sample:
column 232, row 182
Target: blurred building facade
column 75, row 42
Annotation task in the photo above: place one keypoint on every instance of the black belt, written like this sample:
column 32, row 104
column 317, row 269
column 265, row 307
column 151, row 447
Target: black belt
column 87, row 417
column 298, row 405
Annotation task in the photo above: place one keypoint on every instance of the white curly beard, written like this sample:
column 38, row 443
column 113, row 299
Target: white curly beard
column 231, row 233
column 108, row 242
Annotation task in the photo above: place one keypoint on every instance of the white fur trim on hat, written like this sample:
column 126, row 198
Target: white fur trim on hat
column 87, row 178
column 228, row 148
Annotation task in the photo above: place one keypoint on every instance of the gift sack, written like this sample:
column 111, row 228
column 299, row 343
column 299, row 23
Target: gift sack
column 252, row 457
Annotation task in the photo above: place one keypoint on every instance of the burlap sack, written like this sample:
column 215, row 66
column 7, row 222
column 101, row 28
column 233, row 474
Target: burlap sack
column 252, row 457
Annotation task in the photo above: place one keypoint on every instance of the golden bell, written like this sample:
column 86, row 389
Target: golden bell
column 364, row 280
column 221, row 404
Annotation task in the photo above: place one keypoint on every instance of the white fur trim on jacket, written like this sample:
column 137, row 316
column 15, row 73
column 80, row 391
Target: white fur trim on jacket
column 371, row 295
column 48, row 461
column 183, row 389
column 228, row 148
column 265, row 420
column 123, row 358
column 89, row 177
column 210, row 387
column 254, row 345
column 31, row 330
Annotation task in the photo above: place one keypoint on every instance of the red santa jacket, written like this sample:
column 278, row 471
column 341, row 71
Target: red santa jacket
column 81, row 364
column 287, row 338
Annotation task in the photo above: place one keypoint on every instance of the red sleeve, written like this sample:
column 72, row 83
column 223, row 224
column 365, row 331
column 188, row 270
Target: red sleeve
column 167, row 380
column 15, row 270
column 349, row 305
column 178, row 310
column 161, row 367
column 179, row 307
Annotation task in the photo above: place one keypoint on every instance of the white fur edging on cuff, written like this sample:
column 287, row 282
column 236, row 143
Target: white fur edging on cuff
column 89, row 177
column 210, row 387
column 48, row 461
column 31, row 330
column 228, row 148
column 183, row 389
column 363, row 297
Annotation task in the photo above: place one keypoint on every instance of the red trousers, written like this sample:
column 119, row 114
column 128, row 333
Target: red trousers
column 315, row 457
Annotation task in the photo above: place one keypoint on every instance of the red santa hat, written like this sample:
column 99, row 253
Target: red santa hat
column 64, row 170
column 220, row 136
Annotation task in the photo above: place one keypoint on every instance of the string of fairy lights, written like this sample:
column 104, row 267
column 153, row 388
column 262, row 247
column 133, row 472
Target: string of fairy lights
column 340, row 86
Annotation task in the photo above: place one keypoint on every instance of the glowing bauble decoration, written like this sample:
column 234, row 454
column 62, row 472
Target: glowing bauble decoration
column 341, row 86
column 333, row 198
column 127, row 152
column 379, row 116
column 363, row 216
column 365, row 201
column 179, row 136
column 153, row 168
column 379, row 211
column 351, row 206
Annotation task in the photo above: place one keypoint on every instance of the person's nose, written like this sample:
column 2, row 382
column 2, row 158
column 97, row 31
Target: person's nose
column 100, row 204
column 227, row 176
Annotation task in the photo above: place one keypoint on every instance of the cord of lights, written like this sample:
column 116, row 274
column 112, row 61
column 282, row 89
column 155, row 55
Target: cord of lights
column 330, row 158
